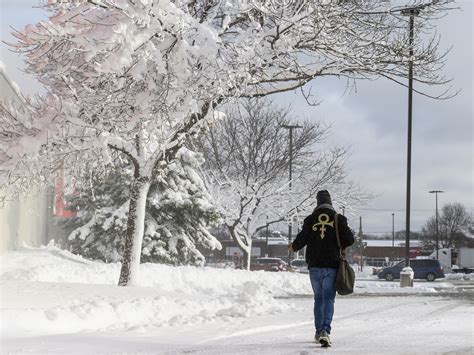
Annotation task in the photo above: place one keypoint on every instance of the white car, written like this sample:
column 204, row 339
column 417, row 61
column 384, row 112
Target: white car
column 299, row 265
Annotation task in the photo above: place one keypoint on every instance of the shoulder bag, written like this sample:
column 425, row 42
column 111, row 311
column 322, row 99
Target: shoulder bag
column 345, row 275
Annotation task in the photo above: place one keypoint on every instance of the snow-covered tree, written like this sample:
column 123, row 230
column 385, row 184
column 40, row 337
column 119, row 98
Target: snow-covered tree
column 455, row 226
column 178, row 215
column 97, row 230
column 138, row 77
column 247, row 166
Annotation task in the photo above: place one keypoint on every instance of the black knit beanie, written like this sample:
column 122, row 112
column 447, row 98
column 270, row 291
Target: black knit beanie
column 323, row 196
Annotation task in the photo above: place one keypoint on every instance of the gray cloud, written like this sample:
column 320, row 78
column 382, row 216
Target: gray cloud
column 373, row 121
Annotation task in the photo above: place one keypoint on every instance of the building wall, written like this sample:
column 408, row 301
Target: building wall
column 382, row 252
column 24, row 221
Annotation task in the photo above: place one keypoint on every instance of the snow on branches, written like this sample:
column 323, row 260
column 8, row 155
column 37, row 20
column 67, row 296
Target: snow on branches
column 179, row 212
column 139, row 77
column 133, row 59
column 247, row 163
column 163, row 66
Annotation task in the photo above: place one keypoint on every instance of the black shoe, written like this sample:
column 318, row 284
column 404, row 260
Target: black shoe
column 316, row 338
column 324, row 339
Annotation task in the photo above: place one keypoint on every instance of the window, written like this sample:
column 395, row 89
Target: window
column 416, row 263
column 424, row 263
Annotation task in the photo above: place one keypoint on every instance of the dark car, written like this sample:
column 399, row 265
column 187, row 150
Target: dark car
column 268, row 264
column 428, row 269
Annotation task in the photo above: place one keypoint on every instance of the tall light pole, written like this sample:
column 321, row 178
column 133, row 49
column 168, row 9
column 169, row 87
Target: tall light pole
column 361, row 241
column 266, row 240
column 393, row 230
column 436, row 192
column 412, row 12
column 290, row 177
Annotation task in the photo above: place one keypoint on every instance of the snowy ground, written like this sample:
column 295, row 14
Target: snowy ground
column 53, row 302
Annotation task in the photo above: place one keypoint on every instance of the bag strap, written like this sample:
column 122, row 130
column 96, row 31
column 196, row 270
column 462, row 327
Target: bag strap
column 342, row 252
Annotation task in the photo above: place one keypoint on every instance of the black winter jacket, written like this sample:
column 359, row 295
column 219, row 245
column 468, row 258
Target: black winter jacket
column 319, row 237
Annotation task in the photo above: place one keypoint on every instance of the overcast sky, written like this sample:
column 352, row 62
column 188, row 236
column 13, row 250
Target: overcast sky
column 373, row 122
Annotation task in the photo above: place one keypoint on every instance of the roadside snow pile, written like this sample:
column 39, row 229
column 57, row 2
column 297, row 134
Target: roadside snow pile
column 385, row 287
column 51, row 264
column 51, row 291
column 460, row 276
column 35, row 308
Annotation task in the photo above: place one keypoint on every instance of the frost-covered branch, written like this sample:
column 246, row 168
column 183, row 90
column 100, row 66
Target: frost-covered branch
column 156, row 72
column 247, row 161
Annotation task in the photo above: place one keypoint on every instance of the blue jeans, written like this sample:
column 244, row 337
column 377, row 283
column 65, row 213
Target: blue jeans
column 324, row 289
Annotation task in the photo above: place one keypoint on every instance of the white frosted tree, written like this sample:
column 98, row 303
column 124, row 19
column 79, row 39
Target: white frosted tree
column 247, row 166
column 138, row 77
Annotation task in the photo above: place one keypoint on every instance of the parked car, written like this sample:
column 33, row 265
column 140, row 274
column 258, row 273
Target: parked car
column 423, row 269
column 299, row 265
column 376, row 270
column 268, row 264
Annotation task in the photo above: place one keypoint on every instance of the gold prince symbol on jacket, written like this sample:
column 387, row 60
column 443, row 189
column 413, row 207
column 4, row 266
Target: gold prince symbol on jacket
column 323, row 219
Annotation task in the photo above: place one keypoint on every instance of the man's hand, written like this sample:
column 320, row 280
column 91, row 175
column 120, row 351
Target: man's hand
column 290, row 247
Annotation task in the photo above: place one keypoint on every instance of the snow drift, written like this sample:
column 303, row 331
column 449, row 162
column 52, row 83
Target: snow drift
column 51, row 291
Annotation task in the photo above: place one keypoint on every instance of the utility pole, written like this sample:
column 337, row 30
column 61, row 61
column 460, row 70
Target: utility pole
column 361, row 243
column 436, row 192
column 266, row 240
column 412, row 12
column 290, row 128
column 393, row 230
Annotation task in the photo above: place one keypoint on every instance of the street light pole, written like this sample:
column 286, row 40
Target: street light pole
column 266, row 239
column 361, row 241
column 290, row 177
column 436, row 192
column 412, row 12
column 393, row 230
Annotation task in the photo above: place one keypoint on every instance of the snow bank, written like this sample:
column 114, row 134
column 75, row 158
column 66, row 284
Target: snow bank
column 385, row 287
column 50, row 264
column 460, row 276
column 51, row 291
column 34, row 308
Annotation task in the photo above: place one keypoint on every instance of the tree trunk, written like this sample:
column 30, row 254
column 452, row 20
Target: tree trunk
column 135, row 228
column 248, row 256
column 246, row 248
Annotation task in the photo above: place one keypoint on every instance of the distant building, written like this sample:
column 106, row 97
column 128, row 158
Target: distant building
column 380, row 252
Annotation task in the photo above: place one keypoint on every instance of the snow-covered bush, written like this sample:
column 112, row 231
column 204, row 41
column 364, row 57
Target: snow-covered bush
column 178, row 214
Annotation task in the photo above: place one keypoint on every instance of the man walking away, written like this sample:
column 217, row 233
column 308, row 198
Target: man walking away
column 322, row 255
